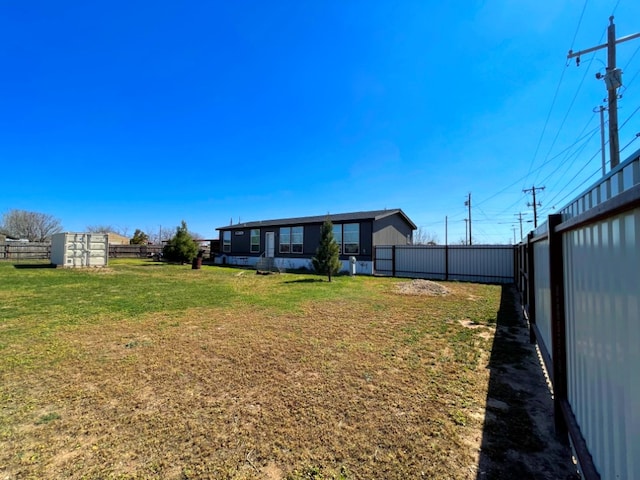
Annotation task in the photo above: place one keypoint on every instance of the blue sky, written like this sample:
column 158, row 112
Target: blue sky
column 143, row 114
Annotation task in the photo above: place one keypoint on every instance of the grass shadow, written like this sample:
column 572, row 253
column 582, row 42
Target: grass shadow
column 34, row 265
column 305, row 280
column 517, row 439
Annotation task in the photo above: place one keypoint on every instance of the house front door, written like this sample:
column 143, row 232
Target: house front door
column 270, row 244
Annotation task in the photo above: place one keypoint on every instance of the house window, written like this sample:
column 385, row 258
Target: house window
column 296, row 239
column 285, row 240
column 255, row 240
column 337, row 236
column 351, row 238
column 291, row 239
column 226, row 241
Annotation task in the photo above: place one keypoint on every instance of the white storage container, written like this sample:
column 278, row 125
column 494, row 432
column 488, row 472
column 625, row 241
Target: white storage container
column 80, row 249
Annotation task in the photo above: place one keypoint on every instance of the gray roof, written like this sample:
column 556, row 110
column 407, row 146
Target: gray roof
column 335, row 218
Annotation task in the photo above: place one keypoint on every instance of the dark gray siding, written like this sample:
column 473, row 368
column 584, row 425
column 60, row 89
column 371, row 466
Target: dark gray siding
column 366, row 248
column 311, row 239
column 391, row 230
column 240, row 240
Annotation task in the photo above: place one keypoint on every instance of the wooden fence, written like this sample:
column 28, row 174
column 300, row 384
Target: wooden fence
column 19, row 251
column 133, row 251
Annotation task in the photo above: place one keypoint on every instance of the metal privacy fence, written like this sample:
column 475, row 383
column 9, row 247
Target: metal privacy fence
column 579, row 275
column 467, row 263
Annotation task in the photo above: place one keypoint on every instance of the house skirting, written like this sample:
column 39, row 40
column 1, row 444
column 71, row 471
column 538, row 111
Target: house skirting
column 362, row 267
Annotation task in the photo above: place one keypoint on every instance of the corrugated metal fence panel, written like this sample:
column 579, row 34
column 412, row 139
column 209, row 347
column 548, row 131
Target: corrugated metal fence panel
column 481, row 263
column 602, row 300
column 621, row 178
column 384, row 260
column 478, row 263
column 420, row 261
column 542, row 293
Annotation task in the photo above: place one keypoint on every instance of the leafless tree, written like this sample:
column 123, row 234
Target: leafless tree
column 107, row 229
column 156, row 237
column 34, row 226
column 424, row 237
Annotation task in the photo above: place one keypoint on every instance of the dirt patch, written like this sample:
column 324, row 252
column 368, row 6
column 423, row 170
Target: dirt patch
column 484, row 331
column 421, row 287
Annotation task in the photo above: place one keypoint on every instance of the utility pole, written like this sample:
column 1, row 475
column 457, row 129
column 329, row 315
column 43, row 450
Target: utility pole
column 446, row 230
column 534, row 204
column 514, row 234
column 612, row 80
column 601, row 109
column 519, row 214
column 466, row 231
column 468, row 204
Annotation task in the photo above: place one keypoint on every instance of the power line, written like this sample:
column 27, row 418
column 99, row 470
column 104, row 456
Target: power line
column 575, row 96
column 612, row 80
column 578, row 186
column 584, row 7
column 534, row 204
column 574, row 155
column 590, row 133
column 574, row 177
column 630, row 59
column 633, row 140
column 629, row 118
column 614, row 8
column 555, row 96
column 561, row 177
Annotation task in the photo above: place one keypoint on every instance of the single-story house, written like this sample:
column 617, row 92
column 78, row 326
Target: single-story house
column 117, row 239
column 292, row 242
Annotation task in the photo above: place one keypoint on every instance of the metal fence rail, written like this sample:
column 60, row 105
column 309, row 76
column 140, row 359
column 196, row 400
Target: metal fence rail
column 472, row 263
column 579, row 275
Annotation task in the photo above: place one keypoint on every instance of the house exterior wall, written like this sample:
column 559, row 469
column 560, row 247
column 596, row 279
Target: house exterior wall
column 241, row 241
column 392, row 230
column 116, row 239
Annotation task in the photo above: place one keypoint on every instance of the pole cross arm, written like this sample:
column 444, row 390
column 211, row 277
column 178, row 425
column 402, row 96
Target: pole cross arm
column 573, row 54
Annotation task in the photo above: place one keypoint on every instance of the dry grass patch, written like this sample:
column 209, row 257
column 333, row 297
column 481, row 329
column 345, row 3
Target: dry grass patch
column 377, row 385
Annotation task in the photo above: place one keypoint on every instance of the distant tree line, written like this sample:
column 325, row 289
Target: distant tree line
column 32, row 226
column 39, row 227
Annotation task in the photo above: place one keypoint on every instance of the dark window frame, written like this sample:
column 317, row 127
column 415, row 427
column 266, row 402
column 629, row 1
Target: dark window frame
column 253, row 235
column 226, row 241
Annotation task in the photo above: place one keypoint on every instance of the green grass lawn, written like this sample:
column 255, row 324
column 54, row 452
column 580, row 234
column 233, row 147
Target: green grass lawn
column 151, row 370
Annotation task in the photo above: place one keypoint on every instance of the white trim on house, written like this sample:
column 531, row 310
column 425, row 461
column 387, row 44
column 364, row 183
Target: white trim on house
column 362, row 267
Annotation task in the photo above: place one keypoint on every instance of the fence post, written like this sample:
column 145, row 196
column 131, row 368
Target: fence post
column 393, row 260
column 531, row 288
column 446, row 262
column 558, row 326
column 375, row 259
column 516, row 269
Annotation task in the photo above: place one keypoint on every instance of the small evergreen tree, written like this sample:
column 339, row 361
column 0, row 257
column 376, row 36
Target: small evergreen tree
column 327, row 261
column 182, row 247
column 139, row 238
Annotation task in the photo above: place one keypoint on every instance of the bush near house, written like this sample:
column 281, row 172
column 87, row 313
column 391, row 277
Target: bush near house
column 181, row 247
